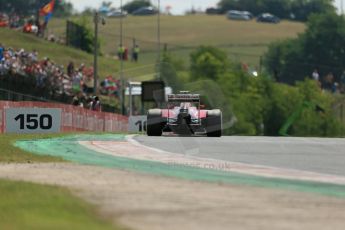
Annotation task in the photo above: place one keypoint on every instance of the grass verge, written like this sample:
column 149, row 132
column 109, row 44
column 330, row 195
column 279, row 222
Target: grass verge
column 30, row 206
column 34, row 207
column 11, row 154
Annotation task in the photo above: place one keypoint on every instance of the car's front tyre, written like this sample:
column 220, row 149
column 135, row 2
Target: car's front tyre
column 154, row 123
column 214, row 123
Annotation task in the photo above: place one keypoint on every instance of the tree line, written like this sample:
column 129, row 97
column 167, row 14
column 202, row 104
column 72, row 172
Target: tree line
column 321, row 47
column 253, row 105
column 261, row 105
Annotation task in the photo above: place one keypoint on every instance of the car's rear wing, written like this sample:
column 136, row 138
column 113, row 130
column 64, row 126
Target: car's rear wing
column 184, row 98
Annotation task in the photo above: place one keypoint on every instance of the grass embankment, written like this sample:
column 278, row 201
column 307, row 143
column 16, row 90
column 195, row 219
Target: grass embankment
column 30, row 206
column 62, row 55
column 242, row 40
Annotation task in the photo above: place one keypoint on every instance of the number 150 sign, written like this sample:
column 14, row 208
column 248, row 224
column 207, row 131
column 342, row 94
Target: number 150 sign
column 33, row 120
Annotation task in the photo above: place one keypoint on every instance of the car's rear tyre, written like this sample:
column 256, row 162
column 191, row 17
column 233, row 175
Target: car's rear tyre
column 154, row 122
column 214, row 123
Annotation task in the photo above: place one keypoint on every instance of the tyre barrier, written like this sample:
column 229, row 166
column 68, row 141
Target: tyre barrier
column 73, row 118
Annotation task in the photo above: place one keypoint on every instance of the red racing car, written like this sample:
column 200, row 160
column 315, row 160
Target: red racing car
column 184, row 116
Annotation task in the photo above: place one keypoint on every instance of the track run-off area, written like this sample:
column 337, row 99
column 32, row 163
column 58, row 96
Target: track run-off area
column 240, row 182
column 314, row 165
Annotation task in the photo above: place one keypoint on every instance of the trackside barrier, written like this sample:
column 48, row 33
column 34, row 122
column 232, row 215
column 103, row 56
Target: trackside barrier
column 73, row 118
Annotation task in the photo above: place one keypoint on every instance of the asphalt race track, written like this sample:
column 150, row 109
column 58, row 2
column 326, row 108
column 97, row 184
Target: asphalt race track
column 321, row 155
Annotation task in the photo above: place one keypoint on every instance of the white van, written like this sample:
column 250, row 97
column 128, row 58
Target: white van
column 239, row 15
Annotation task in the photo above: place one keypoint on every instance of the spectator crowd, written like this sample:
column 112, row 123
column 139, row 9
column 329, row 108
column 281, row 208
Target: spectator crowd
column 23, row 69
column 329, row 82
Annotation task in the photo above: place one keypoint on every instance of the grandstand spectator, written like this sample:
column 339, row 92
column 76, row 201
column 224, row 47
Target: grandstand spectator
column 82, row 67
column 46, row 62
column 51, row 38
column 335, row 87
column 24, row 72
column 70, row 69
column 88, row 102
column 316, row 75
column 121, row 52
column 125, row 54
column 67, row 85
column 88, row 84
column 108, row 86
column 28, row 28
column 78, row 100
column 77, row 82
column 3, row 69
column 329, row 82
column 342, row 83
column 135, row 54
column 41, row 76
column 33, row 56
column 3, row 20
column 75, row 101
column 96, row 104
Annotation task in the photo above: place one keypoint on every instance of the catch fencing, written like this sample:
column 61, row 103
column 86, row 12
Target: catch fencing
column 73, row 118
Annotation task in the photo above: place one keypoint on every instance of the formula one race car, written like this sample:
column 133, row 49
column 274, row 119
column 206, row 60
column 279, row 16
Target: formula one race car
column 184, row 116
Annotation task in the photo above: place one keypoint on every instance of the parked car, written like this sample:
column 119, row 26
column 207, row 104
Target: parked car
column 117, row 14
column 267, row 17
column 145, row 11
column 239, row 15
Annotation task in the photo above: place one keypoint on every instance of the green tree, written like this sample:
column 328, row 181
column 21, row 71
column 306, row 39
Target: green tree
column 88, row 11
column 169, row 69
column 302, row 9
column 136, row 4
column 87, row 36
column 258, row 105
column 249, row 98
column 208, row 62
column 316, row 122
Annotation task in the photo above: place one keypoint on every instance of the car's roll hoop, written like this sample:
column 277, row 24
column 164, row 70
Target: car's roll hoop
column 184, row 96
